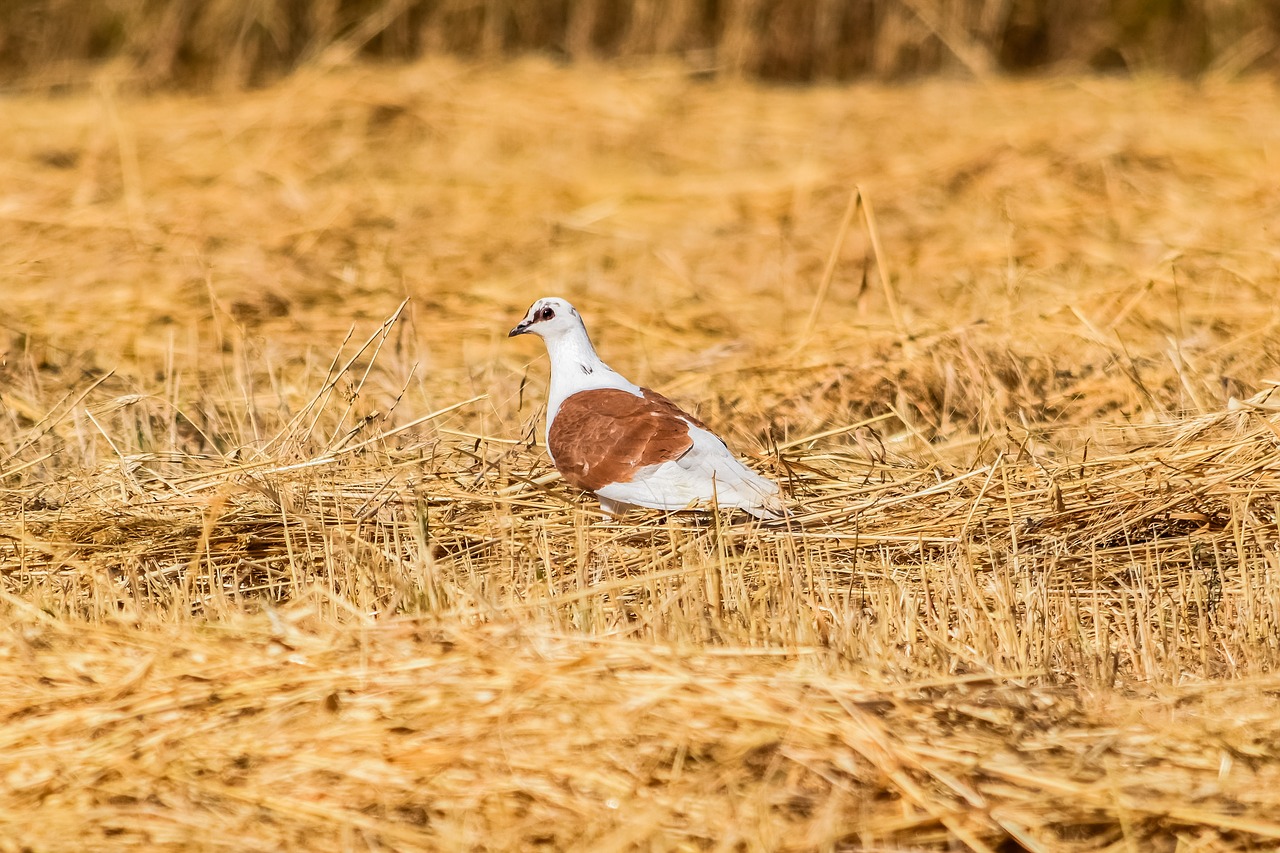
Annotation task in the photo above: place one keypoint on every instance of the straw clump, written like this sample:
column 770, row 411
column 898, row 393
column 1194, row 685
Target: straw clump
column 283, row 566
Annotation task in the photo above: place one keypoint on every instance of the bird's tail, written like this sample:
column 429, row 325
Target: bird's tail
column 753, row 494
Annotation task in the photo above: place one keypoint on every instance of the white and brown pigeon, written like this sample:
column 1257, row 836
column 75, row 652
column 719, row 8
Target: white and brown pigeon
column 630, row 446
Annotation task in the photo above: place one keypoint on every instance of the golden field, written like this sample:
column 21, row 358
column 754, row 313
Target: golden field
column 285, row 568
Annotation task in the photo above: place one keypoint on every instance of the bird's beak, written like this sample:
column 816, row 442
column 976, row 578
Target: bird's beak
column 520, row 329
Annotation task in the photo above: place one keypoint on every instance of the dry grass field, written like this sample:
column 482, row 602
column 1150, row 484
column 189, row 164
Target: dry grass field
column 283, row 565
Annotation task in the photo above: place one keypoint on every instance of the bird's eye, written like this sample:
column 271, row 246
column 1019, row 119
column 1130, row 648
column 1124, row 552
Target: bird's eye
column 546, row 314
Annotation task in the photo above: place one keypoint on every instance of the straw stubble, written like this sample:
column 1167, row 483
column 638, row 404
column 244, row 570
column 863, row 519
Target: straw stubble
column 283, row 566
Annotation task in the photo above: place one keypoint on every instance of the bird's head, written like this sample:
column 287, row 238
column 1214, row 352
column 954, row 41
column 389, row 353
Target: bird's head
column 549, row 317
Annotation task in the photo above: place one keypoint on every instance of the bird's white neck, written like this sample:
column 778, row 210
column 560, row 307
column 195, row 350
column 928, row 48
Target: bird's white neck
column 576, row 367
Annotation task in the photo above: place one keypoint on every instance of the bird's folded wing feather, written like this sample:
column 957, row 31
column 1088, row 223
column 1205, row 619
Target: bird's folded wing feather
column 608, row 435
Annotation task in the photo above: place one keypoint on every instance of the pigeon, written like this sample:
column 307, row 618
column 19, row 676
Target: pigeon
column 630, row 446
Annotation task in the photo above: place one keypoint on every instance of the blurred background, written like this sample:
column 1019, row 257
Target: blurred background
column 234, row 43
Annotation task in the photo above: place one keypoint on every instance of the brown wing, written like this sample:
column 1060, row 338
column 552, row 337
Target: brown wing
column 607, row 435
column 661, row 402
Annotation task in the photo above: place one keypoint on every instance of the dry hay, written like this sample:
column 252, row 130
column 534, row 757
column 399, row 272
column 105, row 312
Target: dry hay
column 300, row 735
column 284, row 568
